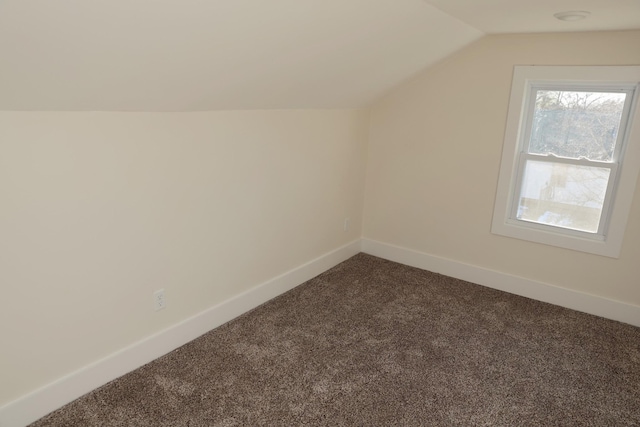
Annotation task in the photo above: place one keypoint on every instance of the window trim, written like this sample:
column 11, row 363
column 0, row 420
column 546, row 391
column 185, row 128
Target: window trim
column 626, row 161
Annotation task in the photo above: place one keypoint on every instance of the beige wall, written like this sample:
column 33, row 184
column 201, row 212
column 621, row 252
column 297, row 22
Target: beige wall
column 100, row 209
column 434, row 155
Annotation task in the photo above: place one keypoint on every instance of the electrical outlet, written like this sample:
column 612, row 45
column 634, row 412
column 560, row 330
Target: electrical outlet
column 346, row 224
column 158, row 300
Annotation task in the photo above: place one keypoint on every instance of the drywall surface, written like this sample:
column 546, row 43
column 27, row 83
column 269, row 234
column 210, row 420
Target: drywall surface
column 101, row 209
column 434, row 157
column 195, row 55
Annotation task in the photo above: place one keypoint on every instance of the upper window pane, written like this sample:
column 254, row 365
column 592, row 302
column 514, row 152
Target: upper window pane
column 576, row 124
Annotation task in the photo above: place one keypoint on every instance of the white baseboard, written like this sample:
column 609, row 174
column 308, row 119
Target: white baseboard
column 40, row 402
column 52, row 396
column 568, row 298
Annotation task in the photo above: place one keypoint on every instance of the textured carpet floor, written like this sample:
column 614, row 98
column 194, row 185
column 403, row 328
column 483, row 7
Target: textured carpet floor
column 371, row 342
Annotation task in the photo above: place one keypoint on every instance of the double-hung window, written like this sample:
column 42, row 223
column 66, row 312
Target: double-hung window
column 570, row 157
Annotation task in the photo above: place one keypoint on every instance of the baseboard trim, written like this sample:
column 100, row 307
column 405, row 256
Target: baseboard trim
column 50, row 397
column 540, row 291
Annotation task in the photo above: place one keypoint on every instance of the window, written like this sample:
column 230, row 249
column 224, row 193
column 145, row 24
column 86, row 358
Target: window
column 571, row 157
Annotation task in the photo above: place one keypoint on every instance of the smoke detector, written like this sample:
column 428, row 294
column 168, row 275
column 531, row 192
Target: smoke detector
column 572, row 15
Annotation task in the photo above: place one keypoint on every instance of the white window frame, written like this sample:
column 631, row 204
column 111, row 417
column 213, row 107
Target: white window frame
column 624, row 167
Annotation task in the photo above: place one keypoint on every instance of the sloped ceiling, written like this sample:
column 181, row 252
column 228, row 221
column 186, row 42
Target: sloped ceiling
column 190, row 55
column 185, row 55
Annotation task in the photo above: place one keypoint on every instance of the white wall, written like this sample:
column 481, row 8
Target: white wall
column 100, row 209
column 434, row 155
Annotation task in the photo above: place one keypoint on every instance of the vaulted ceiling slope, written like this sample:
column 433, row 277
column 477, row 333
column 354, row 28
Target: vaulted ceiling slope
column 185, row 55
column 192, row 55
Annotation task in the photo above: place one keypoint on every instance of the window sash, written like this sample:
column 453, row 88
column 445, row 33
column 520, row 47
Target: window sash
column 613, row 165
column 534, row 87
column 600, row 234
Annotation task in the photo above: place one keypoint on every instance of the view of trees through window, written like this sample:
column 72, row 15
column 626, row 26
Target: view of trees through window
column 574, row 125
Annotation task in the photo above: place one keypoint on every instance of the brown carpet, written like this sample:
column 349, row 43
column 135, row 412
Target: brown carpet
column 370, row 343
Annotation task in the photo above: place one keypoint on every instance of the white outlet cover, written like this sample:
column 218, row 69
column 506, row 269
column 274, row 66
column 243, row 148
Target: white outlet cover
column 158, row 300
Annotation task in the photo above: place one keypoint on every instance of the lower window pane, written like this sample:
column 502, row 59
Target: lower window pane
column 563, row 195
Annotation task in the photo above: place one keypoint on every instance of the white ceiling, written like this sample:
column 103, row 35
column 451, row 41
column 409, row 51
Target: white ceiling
column 536, row 16
column 187, row 55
